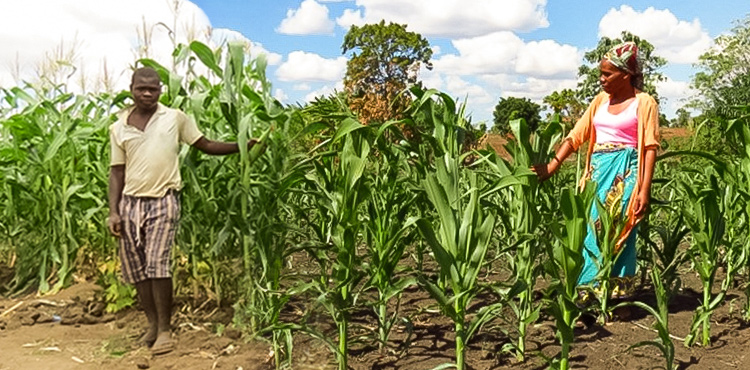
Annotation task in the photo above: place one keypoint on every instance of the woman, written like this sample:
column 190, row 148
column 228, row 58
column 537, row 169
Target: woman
column 622, row 127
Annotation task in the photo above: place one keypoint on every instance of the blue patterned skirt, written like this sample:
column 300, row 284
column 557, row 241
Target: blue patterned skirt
column 614, row 169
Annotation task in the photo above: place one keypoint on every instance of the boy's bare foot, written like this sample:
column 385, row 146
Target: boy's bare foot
column 163, row 344
column 149, row 337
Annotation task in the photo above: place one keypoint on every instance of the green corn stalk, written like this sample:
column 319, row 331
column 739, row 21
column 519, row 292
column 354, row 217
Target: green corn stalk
column 55, row 202
column 567, row 261
column 523, row 208
column 661, row 319
column 388, row 226
column 607, row 234
column 459, row 244
column 460, row 236
column 738, row 189
column 339, row 186
column 242, row 203
column 706, row 221
column 667, row 255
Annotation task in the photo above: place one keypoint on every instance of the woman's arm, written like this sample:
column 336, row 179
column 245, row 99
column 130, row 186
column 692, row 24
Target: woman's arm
column 545, row 171
column 644, row 192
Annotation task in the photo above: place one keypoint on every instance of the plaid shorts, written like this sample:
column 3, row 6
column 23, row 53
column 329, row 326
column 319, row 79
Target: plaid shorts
column 148, row 230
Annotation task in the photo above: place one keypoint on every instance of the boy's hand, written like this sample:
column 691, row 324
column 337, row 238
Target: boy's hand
column 115, row 224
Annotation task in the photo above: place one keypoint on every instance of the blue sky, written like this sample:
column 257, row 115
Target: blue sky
column 484, row 49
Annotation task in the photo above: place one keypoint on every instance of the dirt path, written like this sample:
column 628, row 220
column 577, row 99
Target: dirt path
column 32, row 338
column 62, row 332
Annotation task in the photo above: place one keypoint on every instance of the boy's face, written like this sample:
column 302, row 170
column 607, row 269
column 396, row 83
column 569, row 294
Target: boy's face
column 146, row 91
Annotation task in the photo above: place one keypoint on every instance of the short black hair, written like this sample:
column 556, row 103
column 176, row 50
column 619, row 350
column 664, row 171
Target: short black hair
column 145, row 72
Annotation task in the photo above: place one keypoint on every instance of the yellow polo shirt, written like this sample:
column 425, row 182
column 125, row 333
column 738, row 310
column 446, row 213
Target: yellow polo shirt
column 151, row 156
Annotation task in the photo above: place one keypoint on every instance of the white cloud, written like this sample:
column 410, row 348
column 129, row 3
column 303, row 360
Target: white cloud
column 676, row 40
column 301, row 87
column 323, row 91
column 491, row 53
column 304, row 66
column 220, row 36
column 350, row 17
column 100, row 33
column 280, row 95
column 549, row 59
column 451, row 18
column 464, row 90
column 310, row 19
column 675, row 92
column 504, row 52
column 96, row 31
column 533, row 88
column 431, row 79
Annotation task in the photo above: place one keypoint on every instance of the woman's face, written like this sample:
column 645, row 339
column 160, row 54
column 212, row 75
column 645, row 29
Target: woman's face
column 612, row 78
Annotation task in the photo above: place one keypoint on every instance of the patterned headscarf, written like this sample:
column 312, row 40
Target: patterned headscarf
column 625, row 57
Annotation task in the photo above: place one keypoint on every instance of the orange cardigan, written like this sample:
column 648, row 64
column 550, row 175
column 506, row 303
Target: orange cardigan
column 648, row 137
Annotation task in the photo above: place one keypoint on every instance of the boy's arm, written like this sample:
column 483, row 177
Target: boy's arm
column 116, row 184
column 217, row 147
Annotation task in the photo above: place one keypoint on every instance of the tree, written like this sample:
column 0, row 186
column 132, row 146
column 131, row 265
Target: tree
column 385, row 59
column 567, row 104
column 724, row 79
column 683, row 118
column 588, row 74
column 508, row 109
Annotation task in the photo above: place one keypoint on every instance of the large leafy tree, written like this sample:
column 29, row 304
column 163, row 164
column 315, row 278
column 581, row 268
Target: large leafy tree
column 510, row 108
column 567, row 104
column 385, row 59
column 588, row 85
column 724, row 77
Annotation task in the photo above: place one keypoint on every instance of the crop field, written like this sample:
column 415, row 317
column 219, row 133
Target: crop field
column 407, row 244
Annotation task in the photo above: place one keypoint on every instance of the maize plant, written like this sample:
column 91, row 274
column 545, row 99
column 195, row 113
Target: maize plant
column 608, row 229
column 668, row 224
column 388, row 227
column 524, row 207
column 57, row 205
column 460, row 236
column 706, row 221
column 237, row 206
column 661, row 318
column 339, row 186
column 566, row 264
column 739, row 181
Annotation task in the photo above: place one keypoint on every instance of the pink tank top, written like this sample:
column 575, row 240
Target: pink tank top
column 619, row 128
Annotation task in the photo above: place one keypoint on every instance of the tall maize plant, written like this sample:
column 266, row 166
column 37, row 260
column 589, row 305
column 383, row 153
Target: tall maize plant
column 525, row 207
column 738, row 179
column 389, row 226
column 236, row 207
column 566, row 264
column 54, row 188
column 460, row 235
column 705, row 217
column 338, row 185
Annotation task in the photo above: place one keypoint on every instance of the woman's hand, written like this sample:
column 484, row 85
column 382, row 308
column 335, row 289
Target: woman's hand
column 544, row 170
column 641, row 203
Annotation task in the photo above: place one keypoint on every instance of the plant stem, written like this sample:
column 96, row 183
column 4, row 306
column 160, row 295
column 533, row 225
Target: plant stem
column 706, row 307
column 343, row 350
column 382, row 330
column 460, row 339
